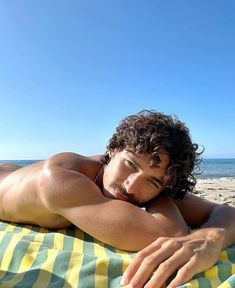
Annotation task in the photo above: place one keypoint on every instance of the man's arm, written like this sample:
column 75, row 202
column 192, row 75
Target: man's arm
column 74, row 196
column 190, row 254
column 201, row 213
column 168, row 212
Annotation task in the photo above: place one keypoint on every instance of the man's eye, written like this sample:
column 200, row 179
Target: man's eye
column 131, row 164
column 151, row 181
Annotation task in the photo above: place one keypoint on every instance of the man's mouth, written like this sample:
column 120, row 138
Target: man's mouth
column 119, row 193
column 121, row 196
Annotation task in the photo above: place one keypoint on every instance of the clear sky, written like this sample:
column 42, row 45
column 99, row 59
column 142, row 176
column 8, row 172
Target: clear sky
column 71, row 70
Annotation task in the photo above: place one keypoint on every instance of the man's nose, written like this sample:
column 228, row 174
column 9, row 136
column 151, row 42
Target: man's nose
column 132, row 183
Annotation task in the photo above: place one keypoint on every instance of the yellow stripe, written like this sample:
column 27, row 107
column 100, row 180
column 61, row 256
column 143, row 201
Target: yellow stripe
column 75, row 264
column 212, row 276
column 126, row 259
column 233, row 268
column 76, row 259
column 31, row 253
column 102, row 262
column 224, row 285
column 9, row 228
column 58, row 241
column 6, row 259
column 27, row 260
column 223, row 256
column 78, row 241
column 44, row 277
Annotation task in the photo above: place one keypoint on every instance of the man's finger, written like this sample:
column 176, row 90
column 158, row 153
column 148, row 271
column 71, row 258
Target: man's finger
column 138, row 260
column 147, row 267
column 168, row 267
column 152, row 262
column 186, row 273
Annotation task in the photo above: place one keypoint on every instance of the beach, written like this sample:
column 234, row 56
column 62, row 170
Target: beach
column 219, row 190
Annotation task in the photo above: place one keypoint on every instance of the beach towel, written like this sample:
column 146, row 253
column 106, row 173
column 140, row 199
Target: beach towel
column 31, row 256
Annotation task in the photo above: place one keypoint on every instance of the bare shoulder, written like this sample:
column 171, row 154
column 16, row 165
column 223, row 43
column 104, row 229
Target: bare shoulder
column 194, row 209
column 69, row 180
column 86, row 165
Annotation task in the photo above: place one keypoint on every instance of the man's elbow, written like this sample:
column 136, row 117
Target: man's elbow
column 181, row 231
column 170, row 227
column 174, row 231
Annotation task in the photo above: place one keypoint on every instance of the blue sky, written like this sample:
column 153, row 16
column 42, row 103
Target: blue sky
column 71, row 70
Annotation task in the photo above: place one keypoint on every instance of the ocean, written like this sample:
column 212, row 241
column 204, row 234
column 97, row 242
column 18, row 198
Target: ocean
column 20, row 162
column 217, row 168
column 209, row 168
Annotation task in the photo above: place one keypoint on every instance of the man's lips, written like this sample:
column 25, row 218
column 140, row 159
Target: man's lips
column 121, row 196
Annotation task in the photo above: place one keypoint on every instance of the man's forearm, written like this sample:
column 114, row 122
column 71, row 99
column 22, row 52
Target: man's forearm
column 165, row 209
column 226, row 228
column 128, row 227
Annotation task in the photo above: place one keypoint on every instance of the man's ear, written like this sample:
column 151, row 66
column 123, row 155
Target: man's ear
column 112, row 153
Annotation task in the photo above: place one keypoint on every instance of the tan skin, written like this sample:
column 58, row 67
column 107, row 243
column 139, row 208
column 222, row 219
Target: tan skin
column 70, row 189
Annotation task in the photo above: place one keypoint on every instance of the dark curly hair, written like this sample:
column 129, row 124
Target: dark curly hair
column 153, row 132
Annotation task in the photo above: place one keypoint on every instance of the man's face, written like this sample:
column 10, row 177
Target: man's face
column 129, row 176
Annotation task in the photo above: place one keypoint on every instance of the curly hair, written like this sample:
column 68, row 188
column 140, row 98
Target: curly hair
column 154, row 132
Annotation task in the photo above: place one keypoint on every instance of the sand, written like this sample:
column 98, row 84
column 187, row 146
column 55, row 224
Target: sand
column 221, row 190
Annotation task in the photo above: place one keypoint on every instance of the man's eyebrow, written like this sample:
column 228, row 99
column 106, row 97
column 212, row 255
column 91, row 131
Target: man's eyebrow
column 155, row 179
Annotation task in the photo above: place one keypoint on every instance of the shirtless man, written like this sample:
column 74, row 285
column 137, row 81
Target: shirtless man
column 149, row 162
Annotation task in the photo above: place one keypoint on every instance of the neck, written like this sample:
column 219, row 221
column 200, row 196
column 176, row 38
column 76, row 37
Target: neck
column 99, row 178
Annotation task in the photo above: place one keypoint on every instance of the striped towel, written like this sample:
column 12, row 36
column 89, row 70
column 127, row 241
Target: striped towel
column 31, row 256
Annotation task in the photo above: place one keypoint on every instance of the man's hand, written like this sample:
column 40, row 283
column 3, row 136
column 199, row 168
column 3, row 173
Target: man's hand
column 189, row 255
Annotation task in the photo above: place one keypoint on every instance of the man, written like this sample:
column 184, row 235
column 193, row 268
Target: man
column 149, row 162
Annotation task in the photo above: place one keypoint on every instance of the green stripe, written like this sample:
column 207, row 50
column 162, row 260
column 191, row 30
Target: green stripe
column 3, row 225
column 4, row 244
column 231, row 253
column 71, row 231
column 32, row 274
column 87, row 272
column 16, row 227
column 224, row 271
column 204, row 282
column 114, row 267
column 17, row 255
column 61, row 262
column 19, row 252
column 7, row 239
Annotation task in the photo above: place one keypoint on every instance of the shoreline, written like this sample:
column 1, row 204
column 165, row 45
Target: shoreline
column 219, row 190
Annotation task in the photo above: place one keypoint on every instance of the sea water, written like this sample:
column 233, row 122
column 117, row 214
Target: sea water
column 20, row 162
column 209, row 168
column 216, row 168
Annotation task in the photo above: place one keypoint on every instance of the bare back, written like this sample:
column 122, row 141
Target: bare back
column 22, row 200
